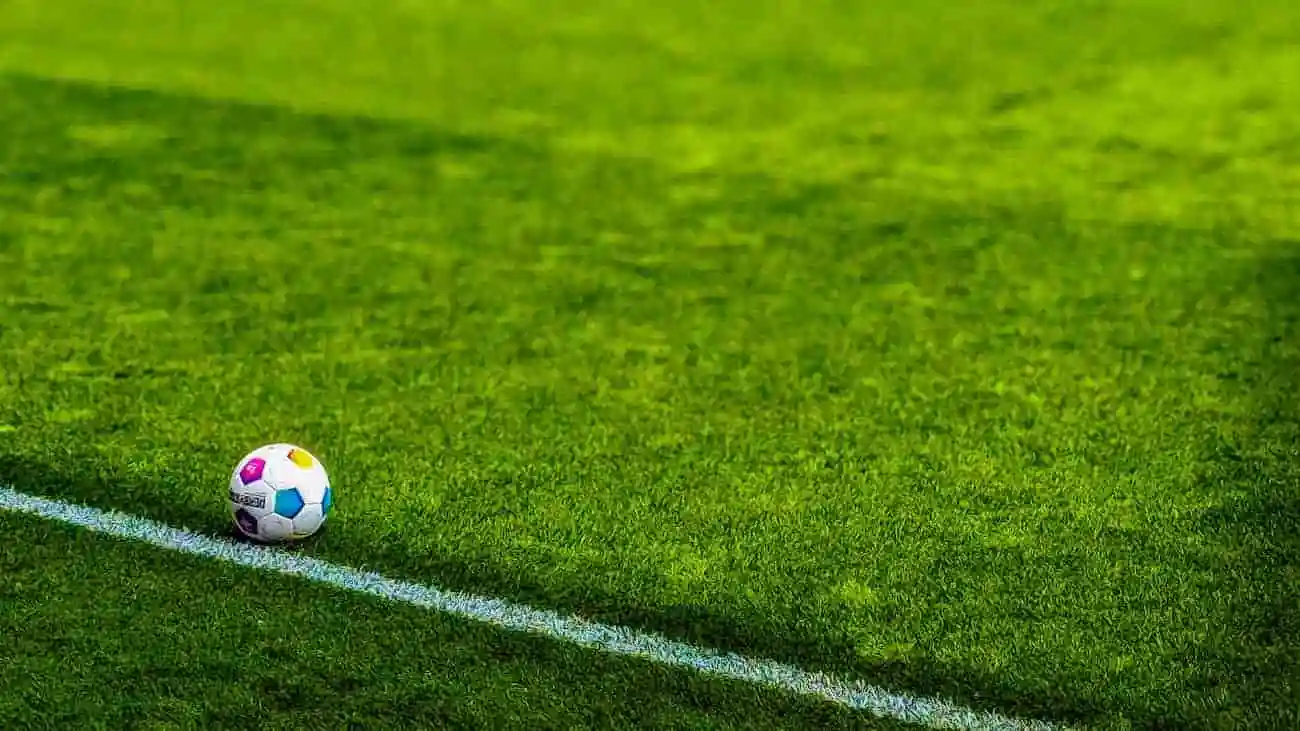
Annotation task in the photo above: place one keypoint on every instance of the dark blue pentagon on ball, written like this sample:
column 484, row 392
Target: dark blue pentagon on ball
column 247, row 523
column 288, row 503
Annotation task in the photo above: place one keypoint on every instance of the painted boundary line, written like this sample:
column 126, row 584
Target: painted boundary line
column 931, row 712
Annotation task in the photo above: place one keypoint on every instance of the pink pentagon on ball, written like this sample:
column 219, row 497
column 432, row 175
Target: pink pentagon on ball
column 252, row 470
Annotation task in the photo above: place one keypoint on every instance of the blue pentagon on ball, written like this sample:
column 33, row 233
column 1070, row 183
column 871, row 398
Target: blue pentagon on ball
column 327, row 502
column 288, row 503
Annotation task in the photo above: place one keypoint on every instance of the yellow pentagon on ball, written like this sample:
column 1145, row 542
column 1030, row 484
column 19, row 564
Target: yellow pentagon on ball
column 300, row 458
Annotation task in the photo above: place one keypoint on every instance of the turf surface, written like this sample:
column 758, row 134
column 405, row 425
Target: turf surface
column 175, row 642
column 961, row 362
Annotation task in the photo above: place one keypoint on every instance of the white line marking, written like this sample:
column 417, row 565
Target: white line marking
column 857, row 695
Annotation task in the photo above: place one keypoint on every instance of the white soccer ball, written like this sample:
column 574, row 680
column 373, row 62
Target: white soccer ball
column 279, row 492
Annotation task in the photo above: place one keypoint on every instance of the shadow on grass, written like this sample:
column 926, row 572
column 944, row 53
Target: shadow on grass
column 374, row 666
column 755, row 636
column 640, row 692
column 1258, row 526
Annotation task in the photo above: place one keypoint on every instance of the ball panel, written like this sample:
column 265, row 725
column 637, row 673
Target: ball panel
column 308, row 521
column 252, row 466
column 312, row 486
column 288, row 502
column 246, row 523
column 301, row 458
column 252, row 470
column 327, row 500
column 281, row 471
column 283, row 474
column 257, row 498
column 274, row 527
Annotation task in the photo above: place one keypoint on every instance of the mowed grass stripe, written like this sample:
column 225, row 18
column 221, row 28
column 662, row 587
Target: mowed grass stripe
column 930, row 712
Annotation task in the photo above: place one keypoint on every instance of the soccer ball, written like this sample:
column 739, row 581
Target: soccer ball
column 279, row 493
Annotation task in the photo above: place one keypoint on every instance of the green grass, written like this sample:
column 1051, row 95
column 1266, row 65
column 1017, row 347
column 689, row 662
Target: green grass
column 961, row 362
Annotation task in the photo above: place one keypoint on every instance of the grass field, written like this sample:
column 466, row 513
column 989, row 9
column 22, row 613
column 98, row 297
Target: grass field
column 955, row 349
